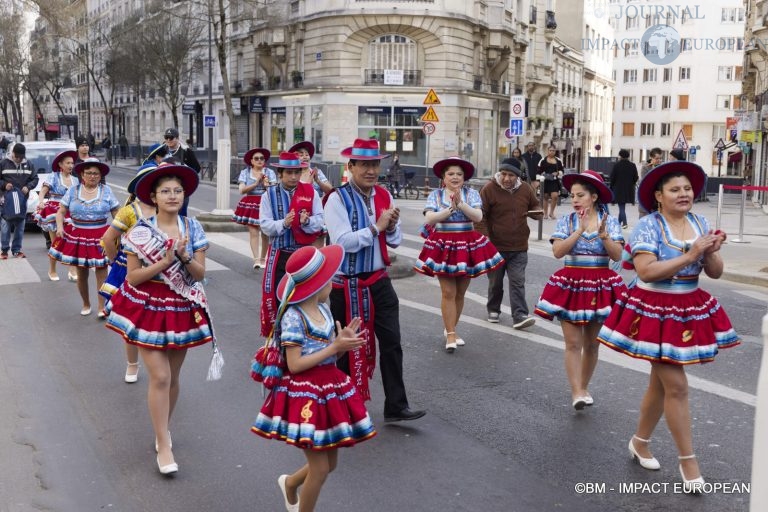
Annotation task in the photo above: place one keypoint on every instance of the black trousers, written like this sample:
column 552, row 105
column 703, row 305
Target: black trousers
column 387, row 328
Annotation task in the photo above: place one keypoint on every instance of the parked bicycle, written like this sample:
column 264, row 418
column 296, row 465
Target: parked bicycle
column 407, row 190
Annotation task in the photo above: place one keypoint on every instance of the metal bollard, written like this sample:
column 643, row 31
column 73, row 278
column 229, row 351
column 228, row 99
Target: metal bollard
column 719, row 206
column 740, row 239
column 759, row 491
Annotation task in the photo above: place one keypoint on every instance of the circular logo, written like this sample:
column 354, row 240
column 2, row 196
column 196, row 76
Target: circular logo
column 140, row 235
column 429, row 128
column 517, row 108
column 660, row 44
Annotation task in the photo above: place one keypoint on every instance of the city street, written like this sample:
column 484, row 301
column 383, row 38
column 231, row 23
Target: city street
column 500, row 433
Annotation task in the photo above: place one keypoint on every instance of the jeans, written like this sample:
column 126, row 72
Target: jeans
column 17, row 225
column 622, row 213
column 514, row 267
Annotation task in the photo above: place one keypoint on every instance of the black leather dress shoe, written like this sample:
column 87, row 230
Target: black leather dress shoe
column 404, row 415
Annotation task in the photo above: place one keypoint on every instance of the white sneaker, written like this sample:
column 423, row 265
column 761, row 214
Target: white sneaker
column 523, row 322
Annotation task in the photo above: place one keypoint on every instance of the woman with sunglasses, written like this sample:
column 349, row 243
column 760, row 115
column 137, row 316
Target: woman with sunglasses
column 253, row 182
column 88, row 205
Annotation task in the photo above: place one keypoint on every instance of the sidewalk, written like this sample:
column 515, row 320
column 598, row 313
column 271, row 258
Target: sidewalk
column 744, row 262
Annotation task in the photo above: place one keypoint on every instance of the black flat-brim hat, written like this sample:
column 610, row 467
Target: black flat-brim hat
column 187, row 175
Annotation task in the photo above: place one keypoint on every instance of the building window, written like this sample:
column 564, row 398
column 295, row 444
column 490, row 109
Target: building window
column 723, row 102
column 736, row 102
column 682, row 102
column 685, row 73
column 646, row 129
column 666, row 129
column 688, row 131
column 628, row 103
column 628, row 129
column 633, row 22
column 718, row 132
column 739, row 73
column 666, row 102
column 392, row 51
column 732, row 15
column 649, row 103
column 667, row 74
column 649, row 75
column 725, row 73
column 630, row 76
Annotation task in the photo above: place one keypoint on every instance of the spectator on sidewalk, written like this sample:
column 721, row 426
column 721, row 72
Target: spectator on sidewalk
column 623, row 180
column 122, row 141
column 17, row 178
column 182, row 154
column 508, row 202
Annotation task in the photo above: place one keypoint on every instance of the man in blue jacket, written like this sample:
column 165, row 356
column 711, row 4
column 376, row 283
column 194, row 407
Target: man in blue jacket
column 17, row 178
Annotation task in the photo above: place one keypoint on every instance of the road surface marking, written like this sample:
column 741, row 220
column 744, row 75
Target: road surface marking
column 17, row 271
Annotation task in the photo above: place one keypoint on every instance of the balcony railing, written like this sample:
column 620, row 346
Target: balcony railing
column 376, row 77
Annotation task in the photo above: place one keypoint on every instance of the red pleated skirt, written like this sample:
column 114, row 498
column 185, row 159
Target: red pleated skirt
column 80, row 247
column 317, row 409
column 247, row 211
column 580, row 295
column 457, row 254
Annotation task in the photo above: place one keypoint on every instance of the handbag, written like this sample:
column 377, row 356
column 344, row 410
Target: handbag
column 268, row 364
column 564, row 191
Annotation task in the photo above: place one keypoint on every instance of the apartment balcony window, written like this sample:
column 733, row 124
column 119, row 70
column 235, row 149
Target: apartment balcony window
column 532, row 18
column 411, row 77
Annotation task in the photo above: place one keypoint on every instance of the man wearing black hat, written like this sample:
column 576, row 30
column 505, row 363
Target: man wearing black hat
column 508, row 201
column 181, row 154
column 17, row 178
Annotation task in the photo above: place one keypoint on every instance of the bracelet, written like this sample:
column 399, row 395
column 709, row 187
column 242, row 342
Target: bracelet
column 182, row 260
column 374, row 230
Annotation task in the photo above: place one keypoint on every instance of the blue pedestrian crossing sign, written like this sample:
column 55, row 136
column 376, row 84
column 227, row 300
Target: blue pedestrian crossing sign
column 209, row 121
column 516, row 127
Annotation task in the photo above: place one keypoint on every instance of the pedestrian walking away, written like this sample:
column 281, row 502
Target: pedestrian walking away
column 666, row 318
column 78, row 242
column 531, row 157
column 314, row 406
column 362, row 218
column 252, row 183
column 111, row 243
column 291, row 216
column 508, row 203
column 17, row 178
column 161, row 307
column 582, row 293
column 454, row 251
column 623, row 181
column 53, row 189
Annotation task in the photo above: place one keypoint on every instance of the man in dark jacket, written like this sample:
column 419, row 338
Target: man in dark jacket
column 183, row 154
column 532, row 159
column 623, row 180
column 17, row 178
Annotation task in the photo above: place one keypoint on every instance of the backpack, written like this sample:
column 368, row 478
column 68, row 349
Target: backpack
column 15, row 206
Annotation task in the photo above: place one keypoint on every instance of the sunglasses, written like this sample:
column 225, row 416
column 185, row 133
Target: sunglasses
column 258, row 158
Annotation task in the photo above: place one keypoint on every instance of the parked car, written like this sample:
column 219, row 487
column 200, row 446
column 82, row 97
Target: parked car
column 40, row 154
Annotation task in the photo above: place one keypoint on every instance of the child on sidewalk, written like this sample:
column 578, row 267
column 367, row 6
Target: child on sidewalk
column 315, row 406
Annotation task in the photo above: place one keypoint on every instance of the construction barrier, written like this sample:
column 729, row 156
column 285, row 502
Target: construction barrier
column 759, row 489
column 744, row 189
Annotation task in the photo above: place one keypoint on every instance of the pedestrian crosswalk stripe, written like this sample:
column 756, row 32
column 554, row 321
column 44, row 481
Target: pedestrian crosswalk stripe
column 17, row 271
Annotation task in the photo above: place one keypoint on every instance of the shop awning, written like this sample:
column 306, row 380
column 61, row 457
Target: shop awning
column 52, row 128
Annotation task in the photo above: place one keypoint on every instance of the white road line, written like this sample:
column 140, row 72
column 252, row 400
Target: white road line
column 607, row 355
column 17, row 271
column 754, row 295
column 213, row 266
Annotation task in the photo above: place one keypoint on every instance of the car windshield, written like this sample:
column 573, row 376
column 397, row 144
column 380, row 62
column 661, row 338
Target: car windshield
column 42, row 158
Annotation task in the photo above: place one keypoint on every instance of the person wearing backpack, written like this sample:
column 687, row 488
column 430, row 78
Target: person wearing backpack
column 17, row 178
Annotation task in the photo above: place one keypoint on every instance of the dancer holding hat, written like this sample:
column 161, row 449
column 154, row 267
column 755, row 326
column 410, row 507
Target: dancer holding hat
column 291, row 216
column 315, row 406
column 53, row 189
column 582, row 293
column 88, row 205
column 253, row 182
column 161, row 307
column 666, row 318
column 111, row 242
column 362, row 218
column 454, row 251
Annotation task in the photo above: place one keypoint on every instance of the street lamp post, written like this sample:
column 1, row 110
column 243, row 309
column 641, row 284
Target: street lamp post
column 210, row 91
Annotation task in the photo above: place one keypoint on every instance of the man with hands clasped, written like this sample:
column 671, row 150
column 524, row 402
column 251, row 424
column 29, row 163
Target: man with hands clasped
column 361, row 217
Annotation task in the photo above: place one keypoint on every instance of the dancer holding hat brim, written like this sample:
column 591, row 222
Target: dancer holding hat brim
column 666, row 318
column 582, row 293
column 315, row 406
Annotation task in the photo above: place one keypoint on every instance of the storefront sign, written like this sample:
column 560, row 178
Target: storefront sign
column 257, row 105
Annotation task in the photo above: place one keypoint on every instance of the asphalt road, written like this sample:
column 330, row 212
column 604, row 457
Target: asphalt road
column 500, row 433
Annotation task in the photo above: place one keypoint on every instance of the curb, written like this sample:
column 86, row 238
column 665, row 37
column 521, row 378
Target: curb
column 219, row 224
column 742, row 278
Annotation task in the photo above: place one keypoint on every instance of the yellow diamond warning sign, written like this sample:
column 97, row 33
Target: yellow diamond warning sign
column 429, row 116
column 431, row 98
